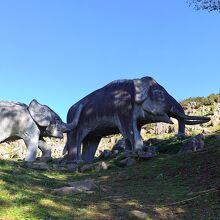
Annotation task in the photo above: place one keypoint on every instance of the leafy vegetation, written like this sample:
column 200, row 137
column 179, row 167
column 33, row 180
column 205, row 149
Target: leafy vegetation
column 209, row 5
column 200, row 101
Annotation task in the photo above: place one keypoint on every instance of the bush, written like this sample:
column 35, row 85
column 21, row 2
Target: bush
column 201, row 100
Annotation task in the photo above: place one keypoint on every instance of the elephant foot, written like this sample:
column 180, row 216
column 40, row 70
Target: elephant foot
column 180, row 136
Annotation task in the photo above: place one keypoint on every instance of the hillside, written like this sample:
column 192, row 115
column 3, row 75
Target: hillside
column 204, row 106
column 167, row 186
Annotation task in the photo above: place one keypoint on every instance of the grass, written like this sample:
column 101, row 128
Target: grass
column 166, row 187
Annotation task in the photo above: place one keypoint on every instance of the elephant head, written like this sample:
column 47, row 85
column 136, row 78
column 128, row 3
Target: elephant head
column 158, row 105
column 49, row 121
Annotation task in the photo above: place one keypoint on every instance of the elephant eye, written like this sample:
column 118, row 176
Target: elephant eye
column 159, row 95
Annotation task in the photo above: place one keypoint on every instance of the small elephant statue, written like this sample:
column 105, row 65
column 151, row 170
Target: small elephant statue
column 32, row 123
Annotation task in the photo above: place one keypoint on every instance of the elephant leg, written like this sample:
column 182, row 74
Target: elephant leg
column 181, row 129
column 130, row 131
column 74, row 142
column 46, row 151
column 32, row 146
column 90, row 146
column 138, row 141
column 128, row 145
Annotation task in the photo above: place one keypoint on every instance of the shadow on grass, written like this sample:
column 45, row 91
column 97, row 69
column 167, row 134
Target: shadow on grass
column 156, row 187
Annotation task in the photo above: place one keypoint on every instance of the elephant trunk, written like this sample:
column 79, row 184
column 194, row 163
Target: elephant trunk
column 190, row 120
column 186, row 120
column 65, row 128
column 177, row 112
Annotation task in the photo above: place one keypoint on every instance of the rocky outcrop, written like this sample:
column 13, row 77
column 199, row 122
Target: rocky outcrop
column 17, row 149
column 193, row 144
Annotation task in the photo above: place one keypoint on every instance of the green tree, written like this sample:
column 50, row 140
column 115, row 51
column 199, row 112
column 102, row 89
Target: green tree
column 209, row 5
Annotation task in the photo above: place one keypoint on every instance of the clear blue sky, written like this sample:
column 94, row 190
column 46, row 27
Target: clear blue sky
column 59, row 51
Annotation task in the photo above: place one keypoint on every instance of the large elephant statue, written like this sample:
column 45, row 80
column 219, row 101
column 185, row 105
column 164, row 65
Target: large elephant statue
column 32, row 123
column 122, row 106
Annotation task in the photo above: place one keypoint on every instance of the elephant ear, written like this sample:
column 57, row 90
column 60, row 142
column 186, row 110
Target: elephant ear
column 142, row 87
column 40, row 113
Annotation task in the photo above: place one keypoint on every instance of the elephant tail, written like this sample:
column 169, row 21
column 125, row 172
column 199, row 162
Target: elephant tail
column 65, row 150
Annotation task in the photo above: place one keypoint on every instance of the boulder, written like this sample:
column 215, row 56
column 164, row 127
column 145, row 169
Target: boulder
column 106, row 154
column 217, row 137
column 86, row 167
column 36, row 165
column 58, row 160
column 215, row 121
column 127, row 162
column 101, row 166
column 151, row 141
column 121, row 145
column 151, row 149
column 72, row 167
column 145, row 155
column 89, row 167
column 138, row 215
column 76, row 187
column 193, row 144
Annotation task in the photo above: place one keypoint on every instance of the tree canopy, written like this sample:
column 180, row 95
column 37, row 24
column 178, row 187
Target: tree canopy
column 209, row 5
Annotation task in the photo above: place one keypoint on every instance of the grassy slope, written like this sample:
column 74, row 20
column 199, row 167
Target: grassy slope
column 166, row 187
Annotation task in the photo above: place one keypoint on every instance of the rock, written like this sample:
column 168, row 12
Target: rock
column 58, row 160
column 88, row 184
column 145, row 155
column 127, row 162
column 162, row 128
column 193, row 144
column 72, row 167
column 129, row 153
column 76, row 187
column 121, row 145
column 136, row 214
column 36, row 165
column 115, row 152
column 151, row 149
column 206, row 131
column 216, row 112
column 215, row 121
column 89, row 167
column 101, row 166
column 106, row 154
column 151, row 142
column 217, row 137
column 113, row 140
column 86, row 167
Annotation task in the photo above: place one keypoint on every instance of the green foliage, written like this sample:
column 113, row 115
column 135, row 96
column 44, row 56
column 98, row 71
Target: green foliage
column 171, row 146
column 209, row 5
column 200, row 100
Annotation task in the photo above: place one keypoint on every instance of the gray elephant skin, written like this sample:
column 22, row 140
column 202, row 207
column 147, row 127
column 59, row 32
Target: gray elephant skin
column 32, row 123
column 122, row 106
